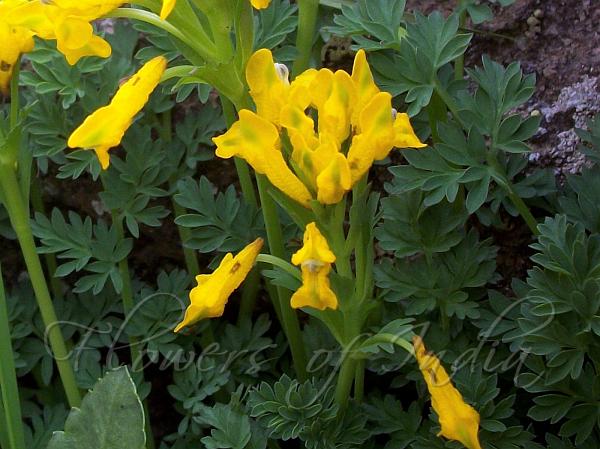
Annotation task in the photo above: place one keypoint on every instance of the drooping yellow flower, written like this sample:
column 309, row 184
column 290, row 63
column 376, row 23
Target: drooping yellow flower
column 337, row 125
column 315, row 259
column 257, row 141
column 459, row 421
column 208, row 298
column 105, row 128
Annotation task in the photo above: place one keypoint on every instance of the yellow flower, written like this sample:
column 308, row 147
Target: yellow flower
column 260, row 4
column 380, row 129
column 355, row 126
column 315, row 259
column 67, row 22
column 459, row 421
column 14, row 40
column 167, row 7
column 208, row 298
column 257, row 141
column 105, row 128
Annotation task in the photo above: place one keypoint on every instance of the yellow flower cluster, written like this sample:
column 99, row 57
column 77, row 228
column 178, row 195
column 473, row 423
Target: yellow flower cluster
column 356, row 126
column 68, row 22
column 459, row 421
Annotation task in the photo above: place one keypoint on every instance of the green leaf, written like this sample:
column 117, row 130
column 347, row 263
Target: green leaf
column 373, row 24
column 111, row 417
column 274, row 24
column 221, row 221
column 409, row 227
column 230, row 428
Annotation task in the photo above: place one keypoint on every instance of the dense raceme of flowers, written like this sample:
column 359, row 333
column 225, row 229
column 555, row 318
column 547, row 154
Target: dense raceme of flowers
column 356, row 126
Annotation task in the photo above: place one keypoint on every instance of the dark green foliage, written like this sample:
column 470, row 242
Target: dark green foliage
column 430, row 43
column 581, row 203
column 448, row 281
column 273, row 25
column 591, row 139
column 373, row 24
column 137, row 180
column 289, row 409
column 221, row 220
column 94, row 248
column 409, row 227
column 499, row 91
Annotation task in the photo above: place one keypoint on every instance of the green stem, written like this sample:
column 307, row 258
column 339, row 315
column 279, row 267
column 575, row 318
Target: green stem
column 19, row 216
column 514, row 197
column 359, row 380
column 291, row 325
column 308, row 14
column 8, row 379
column 198, row 40
column 288, row 318
column 345, row 380
column 278, row 262
column 38, row 206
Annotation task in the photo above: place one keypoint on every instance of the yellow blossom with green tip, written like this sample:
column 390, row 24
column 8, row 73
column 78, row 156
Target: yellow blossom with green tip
column 209, row 297
column 315, row 259
column 104, row 128
column 459, row 421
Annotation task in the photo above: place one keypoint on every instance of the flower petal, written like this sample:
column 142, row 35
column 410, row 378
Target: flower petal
column 256, row 140
column 334, row 181
column 268, row 89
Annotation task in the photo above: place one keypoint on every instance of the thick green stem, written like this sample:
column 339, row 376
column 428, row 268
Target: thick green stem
column 291, row 325
column 196, row 39
column 8, row 379
column 307, row 21
column 345, row 380
column 19, row 218
column 359, row 381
